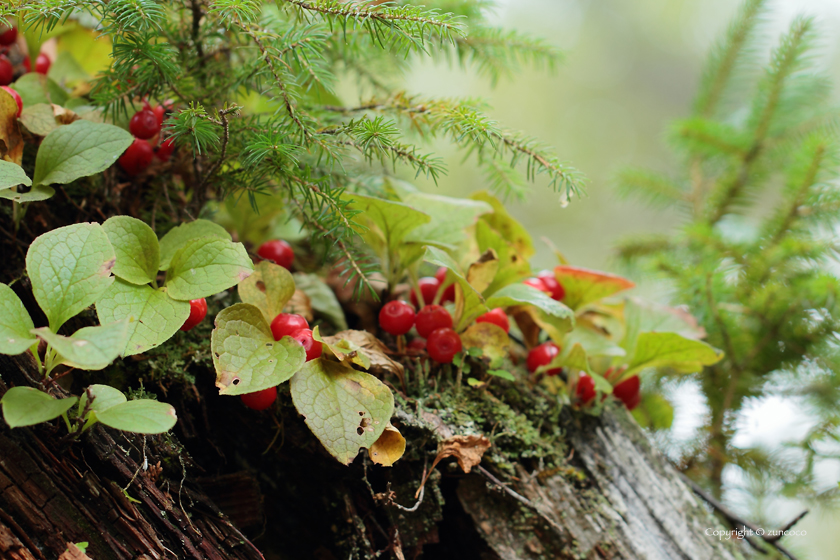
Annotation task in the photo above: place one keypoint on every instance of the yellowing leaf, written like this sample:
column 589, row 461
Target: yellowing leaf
column 662, row 349
column 388, row 449
column 492, row 340
column 584, row 286
column 513, row 266
column 345, row 409
column 343, row 349
column 506, row 225
column 469, row 304
column 269, row 288
column 481, row 273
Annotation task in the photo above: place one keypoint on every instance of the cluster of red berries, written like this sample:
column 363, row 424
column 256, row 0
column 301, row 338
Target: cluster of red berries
column 7, row 71
column 295, row 326
column 145, row 125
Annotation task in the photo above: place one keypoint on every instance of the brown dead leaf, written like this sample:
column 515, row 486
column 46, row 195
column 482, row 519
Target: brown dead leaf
column 73, row 553
column 62, row 115
column 525, row 321
column 467, row 450
column 380, row 363
column 299, row 304
column 388, row 449
column 11, row 141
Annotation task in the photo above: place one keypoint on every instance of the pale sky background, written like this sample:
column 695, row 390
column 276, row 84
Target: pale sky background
column 631, row 68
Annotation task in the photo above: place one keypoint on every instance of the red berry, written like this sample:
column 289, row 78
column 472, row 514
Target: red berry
column 396, row 317
column 42, row 64
column 287, row 324
column 16, row 97
column 136, row 158
column 164, row 151
column 432, row 318
column 549, row 280
column 628, row 392
column 198, row 311
column 8, row 37
column 313, row 347
column 428, row 289
column 160, row 114
column 585, row 390
column 261, row 399
column 497, row 317
column 541, row 356
column 417, row 344
column 449, row 291
column 278, row 251
column 144, row 124
column 538, row 284
column 443, row 344
column 7, row 72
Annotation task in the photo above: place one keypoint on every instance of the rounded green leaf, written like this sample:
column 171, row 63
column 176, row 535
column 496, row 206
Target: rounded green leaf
column 104, row 397
column 345, row 409
column 269, row 288
column 179, row 236
column 79, row 149
column 12, row 175
column 136, row 247
column 450, row 218
column 206, row 266
column 391, row 221
column 153, row 317
column 245, row 354
column 143, row 416
column 665, row 349
column 89, row 348
column 15, row 323
column 25, row 406
column 39, row 119
column 35, row 88
column 70, row 268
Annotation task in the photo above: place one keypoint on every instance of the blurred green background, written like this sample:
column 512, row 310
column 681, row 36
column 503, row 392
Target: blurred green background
column 630, row 68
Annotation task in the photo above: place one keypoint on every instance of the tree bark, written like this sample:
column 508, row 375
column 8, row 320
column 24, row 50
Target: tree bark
column 615, row 496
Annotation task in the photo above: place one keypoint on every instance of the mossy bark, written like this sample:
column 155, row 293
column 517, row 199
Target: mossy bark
column 581, row 487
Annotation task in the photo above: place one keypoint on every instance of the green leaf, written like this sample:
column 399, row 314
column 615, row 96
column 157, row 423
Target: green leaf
column 642, row 316
column 70, row 268
column 502, row 373
column 153, row 317
column 551, row 315
column 25, row 406
column 90, row 348
column 450, row 218
column 655, row 349
column 469, row 304
column 345, row 409
column 143, row 416
column 654, row 412
column 584, row 286
column 36, row 194
column 321, row 297
column 15, row 324
column 136, row 247
column 207, row 266
column 104, row 397
column 179, row 236
column 594, row 343
column 269, row 288
column 35, row 88
column 245, row 354
column 343, row 349
column 574, row 357
column 389, row 222
column 12, row 175
column 79, row 149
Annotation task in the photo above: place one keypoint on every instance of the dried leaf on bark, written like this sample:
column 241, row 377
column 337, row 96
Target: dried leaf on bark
column 380, row 363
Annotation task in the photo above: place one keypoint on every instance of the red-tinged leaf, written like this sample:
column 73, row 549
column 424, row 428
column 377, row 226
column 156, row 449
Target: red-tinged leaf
column 584, row 286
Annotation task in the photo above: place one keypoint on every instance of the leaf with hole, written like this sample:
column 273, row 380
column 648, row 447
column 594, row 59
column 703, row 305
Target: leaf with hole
column 245, row 354
column 345, row 409
column 269, row 288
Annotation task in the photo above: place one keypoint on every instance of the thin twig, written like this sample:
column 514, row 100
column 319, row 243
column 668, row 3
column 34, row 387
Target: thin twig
column 737, row 522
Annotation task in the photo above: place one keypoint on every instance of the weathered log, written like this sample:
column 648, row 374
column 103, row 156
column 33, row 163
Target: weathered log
column 612, row 495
